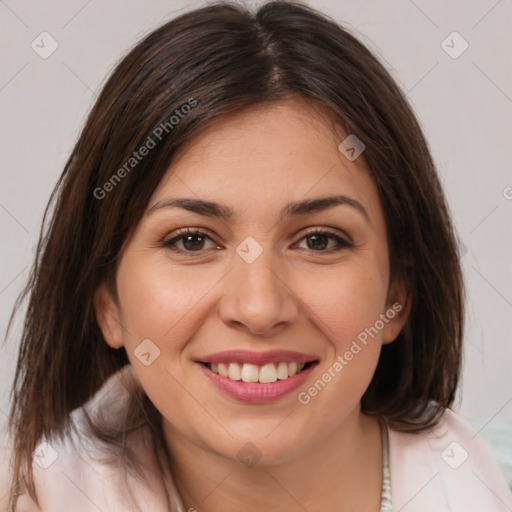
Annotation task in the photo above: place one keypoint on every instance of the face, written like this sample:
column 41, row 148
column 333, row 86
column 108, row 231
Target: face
column 263, row 287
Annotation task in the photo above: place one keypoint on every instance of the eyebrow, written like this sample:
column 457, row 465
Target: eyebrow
column 292, row 209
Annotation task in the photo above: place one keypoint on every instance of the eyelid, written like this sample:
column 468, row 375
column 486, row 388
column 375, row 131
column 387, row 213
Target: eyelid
column 343, row 240
column 168, row 241
column 327, row 230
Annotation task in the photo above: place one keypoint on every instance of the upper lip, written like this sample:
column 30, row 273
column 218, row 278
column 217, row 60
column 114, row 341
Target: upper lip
column 258, row 358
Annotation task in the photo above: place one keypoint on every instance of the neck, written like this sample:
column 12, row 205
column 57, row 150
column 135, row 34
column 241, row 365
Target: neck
column 342, row 472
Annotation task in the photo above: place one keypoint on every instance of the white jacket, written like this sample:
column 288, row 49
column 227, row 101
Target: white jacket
column 445, row 469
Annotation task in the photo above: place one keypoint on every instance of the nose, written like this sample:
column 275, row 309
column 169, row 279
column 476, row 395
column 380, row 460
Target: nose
column 259, row 298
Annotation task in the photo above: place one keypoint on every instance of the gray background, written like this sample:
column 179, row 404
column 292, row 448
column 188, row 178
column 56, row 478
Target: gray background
column 464, row 105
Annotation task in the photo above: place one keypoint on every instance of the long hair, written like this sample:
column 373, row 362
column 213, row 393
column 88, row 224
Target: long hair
column 218, row 60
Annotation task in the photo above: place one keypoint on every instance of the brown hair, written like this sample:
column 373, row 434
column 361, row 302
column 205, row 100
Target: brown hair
column 225, row 58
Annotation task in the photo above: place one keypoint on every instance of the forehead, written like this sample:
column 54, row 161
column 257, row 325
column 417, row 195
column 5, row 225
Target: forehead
column 268, row 155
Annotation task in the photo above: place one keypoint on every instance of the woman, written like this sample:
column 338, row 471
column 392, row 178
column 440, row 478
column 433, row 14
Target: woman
column 249, row 293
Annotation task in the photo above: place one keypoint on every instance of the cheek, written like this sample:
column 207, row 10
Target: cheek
column 346, row 307
column 163, row 305
column 345, row 301
column 158, row 302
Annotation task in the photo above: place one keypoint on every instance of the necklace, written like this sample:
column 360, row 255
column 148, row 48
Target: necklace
column 386, row 503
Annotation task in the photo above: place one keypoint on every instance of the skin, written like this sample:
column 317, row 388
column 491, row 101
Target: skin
column 325, row 455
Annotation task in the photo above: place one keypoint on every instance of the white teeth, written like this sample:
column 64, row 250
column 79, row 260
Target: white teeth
column 250, row 373
column 282, row 371
column 268, row 373
column 265, row 374
column 223, row 370
column 292, row 369
column 234, row 372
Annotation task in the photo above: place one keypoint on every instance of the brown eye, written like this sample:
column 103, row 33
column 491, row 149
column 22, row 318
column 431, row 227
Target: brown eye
column 191, row 241
column 318, row 241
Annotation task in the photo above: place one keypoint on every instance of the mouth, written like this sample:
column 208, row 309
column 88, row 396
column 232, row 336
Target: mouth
column 258, row 377
column 266, row 374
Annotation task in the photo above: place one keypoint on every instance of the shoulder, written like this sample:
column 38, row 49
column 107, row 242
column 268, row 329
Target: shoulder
column 78, row 471
column 445, row 468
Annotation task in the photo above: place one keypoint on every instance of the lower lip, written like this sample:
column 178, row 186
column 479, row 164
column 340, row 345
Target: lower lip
column 254, row 392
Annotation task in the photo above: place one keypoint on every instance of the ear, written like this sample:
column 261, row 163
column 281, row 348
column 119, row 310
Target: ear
column 398, row 306
column 108, row 317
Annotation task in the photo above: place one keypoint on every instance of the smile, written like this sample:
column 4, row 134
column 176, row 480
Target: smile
column 254, row 377
column 247, row 372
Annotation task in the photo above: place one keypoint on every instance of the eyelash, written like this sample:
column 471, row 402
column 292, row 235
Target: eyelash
column 184, row 232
